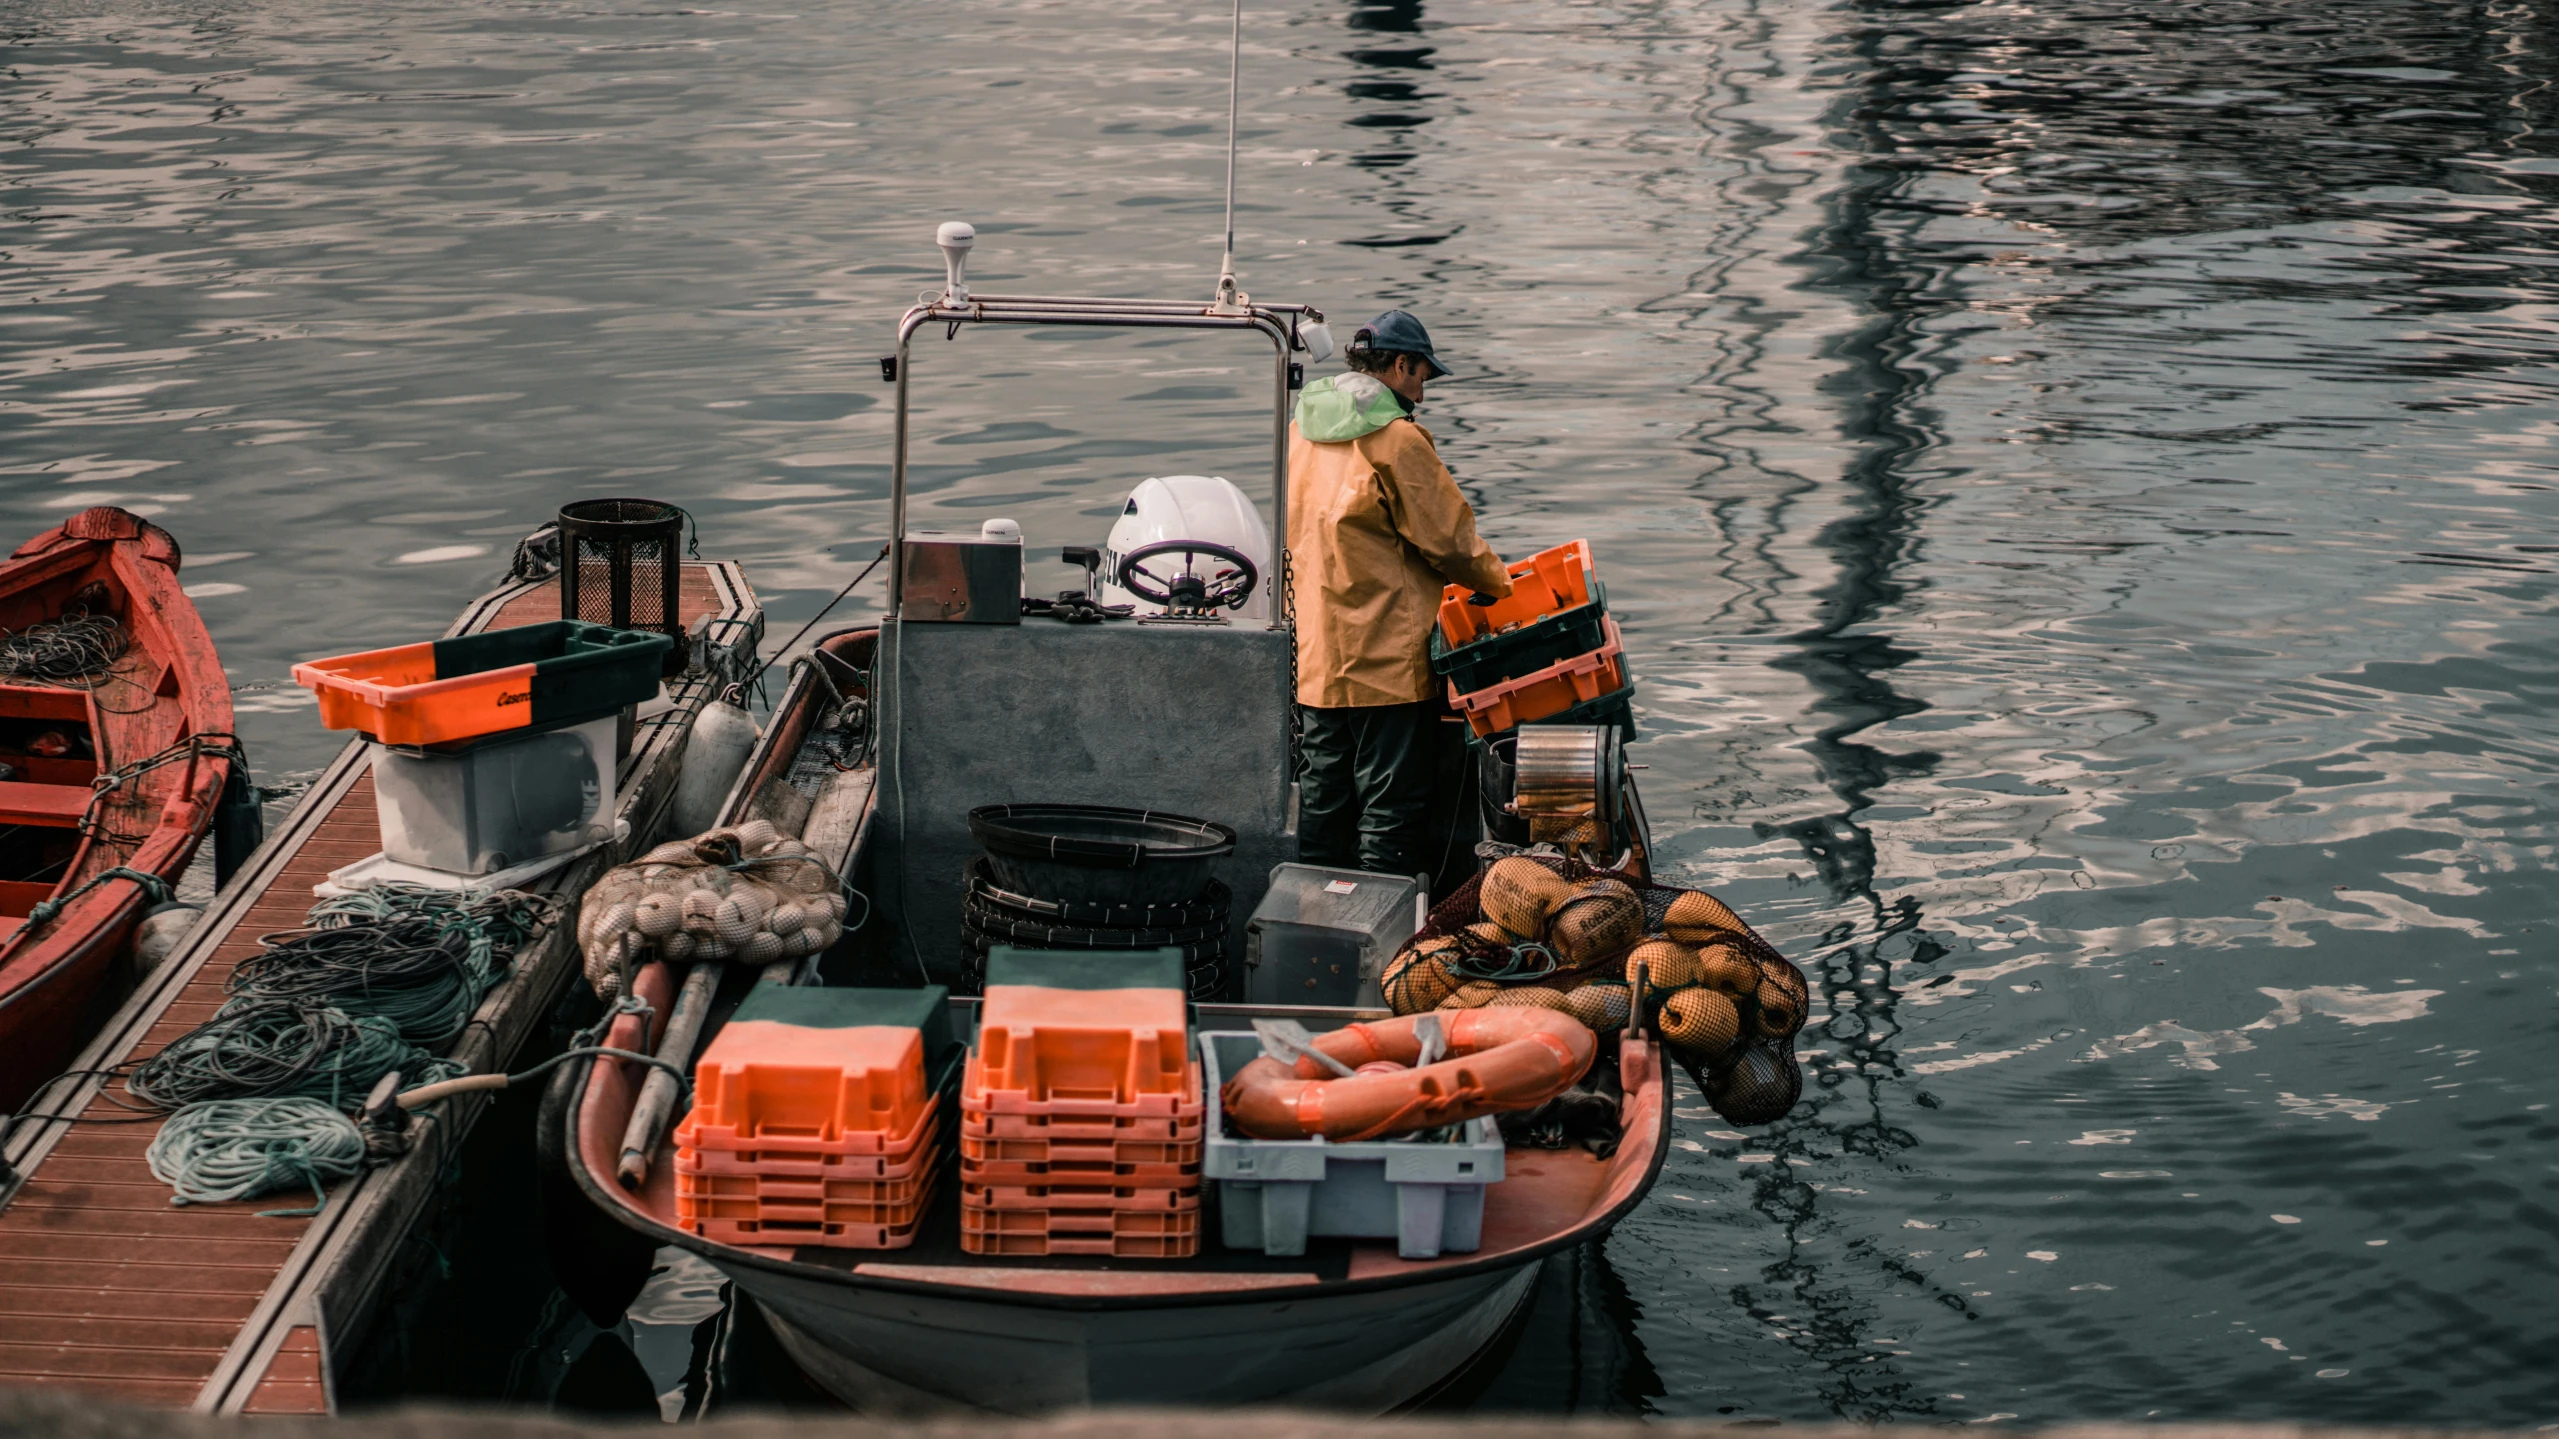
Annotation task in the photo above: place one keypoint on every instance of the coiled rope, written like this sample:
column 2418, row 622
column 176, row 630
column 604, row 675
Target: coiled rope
column 234, row 1148
column 76, row 647
column 278, row 1049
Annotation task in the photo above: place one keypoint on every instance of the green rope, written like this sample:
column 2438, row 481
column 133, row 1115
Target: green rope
column 154, row 889
column 281, row 1048
column 227, row 1149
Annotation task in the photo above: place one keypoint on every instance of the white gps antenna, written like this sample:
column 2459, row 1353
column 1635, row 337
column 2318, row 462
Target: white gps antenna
column 955, row 237
column 1231, row 301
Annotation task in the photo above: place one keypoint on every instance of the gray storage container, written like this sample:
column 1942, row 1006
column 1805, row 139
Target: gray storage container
column 1428, row 1196
column 1320, row 936
column 480, row 806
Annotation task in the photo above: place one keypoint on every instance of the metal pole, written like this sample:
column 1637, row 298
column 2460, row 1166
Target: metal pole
column 897, row 483
column 1234, row 93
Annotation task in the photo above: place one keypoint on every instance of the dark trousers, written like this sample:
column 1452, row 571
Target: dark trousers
column 1364, row 787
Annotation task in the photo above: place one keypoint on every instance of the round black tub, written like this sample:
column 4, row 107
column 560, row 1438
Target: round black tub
column 1099, row 854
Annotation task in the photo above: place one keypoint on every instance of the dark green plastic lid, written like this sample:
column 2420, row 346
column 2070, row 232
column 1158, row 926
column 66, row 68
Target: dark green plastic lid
column 1086, row 968
column 821, row 1007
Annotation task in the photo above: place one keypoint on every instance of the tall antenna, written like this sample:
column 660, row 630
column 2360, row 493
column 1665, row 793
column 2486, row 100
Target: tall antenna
column 1228, row 300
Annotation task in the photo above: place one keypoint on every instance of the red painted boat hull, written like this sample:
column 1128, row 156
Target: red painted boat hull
column 60, row 979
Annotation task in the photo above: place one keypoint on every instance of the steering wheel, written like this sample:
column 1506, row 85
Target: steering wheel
column 1226, row 589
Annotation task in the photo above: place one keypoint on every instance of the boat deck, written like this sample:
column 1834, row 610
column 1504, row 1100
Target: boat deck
column 106, row 1286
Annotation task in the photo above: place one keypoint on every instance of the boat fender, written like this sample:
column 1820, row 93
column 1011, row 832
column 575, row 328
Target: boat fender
column 713, row 757
column 1499, row 1059
column 164, row 927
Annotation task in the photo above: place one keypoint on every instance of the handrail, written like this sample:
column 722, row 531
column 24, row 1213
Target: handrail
column 1276, row 322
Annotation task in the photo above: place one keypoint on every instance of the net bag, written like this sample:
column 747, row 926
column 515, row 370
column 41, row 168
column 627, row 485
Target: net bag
column 1612, row 950
column 748, row 894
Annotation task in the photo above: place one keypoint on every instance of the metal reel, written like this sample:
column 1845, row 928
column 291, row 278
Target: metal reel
column 1570, row 784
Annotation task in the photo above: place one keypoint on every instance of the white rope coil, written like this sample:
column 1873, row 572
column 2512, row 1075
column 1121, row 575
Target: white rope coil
column 225, row 1149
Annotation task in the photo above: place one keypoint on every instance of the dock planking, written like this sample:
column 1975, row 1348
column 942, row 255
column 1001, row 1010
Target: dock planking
column 107, row 1287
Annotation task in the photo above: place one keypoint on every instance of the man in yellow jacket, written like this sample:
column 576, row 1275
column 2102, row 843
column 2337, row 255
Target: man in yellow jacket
column 1375, row 527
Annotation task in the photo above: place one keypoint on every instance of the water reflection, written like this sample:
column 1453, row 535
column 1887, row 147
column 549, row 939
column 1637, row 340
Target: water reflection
column 2076, row 483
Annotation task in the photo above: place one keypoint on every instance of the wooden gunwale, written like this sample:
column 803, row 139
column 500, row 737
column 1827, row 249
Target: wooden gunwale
column 213, row 1307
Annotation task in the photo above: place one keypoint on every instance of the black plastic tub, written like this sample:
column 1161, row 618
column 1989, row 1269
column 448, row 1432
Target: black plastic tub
column 1099, row 854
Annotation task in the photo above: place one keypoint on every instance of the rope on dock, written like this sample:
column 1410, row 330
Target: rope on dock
column 419, row 958
column 236, row 1148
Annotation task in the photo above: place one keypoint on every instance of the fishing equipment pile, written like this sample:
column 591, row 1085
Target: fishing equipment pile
column 377, row 982
column 1554, row 932
column 748, row 894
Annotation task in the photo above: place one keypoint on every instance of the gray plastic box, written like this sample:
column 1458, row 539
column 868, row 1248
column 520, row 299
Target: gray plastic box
column 1320, row 936
column 1274, row 1193
column 485, row 805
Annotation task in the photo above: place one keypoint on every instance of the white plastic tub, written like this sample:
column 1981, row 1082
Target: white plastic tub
column 481, row 806
column 1273, row 1194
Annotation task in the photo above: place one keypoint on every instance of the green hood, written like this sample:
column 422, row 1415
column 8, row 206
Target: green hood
column 1345, row 407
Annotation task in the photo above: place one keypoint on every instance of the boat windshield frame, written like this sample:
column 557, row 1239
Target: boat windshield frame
column 1277, row 323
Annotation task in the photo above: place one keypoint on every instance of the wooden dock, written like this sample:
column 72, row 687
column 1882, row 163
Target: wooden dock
column 106, row 1287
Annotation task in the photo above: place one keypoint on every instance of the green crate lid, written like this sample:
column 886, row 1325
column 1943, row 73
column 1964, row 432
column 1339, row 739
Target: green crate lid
column 824, row 1007
column 1086, row 968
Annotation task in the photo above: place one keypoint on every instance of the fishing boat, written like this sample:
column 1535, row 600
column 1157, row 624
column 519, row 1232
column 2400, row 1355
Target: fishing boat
column 116, row 753
column 885, row 739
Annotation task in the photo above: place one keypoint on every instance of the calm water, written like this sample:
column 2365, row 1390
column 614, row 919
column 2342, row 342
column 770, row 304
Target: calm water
column 2077, row 479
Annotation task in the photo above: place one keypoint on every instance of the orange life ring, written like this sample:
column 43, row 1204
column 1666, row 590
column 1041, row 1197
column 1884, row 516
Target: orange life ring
column 1499, row 1059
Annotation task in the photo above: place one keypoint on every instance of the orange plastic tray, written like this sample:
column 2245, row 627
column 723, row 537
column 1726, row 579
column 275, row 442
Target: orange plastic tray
column 1110, row 1046
column 1115, row 1234
column 979, row 1095
column 1545, row 583
column 1060, row 1197
column 1550, row 691
column 1105, row 1172
column 904, row 1156
column 1182, row 1128
column 893, row 1216
column 764, row 1084
column 976, row 1149
column 791, row 1233
column 766, row 1189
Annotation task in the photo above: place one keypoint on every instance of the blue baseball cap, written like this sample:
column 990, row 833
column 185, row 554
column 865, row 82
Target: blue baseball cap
column 1397, row 330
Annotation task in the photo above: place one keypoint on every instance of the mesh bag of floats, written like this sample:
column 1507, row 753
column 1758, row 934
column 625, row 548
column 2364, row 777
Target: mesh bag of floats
column 748, row 895
column 1552, row 931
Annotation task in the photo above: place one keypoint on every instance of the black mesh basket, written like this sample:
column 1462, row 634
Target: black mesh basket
column 621, row 562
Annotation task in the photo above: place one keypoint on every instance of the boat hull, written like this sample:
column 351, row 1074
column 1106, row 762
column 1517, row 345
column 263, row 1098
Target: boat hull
column 1364, row 1352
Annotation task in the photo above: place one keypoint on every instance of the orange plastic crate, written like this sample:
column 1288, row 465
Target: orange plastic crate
column 1055, row 1198
column 1119, row 1235
column 1545, row 583
column 981, row 1094
column 768, row 1189
column 792, row 1233
column 894, row 1216
column 1179, row 1128
column 1499, row 708
column 1108, row 1046
column 977, row 1149
column 765, row 1085
column 902, row 1157
column 1079, row 1172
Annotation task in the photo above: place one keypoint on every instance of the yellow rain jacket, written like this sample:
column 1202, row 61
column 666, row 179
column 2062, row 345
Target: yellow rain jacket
column 1375, row 526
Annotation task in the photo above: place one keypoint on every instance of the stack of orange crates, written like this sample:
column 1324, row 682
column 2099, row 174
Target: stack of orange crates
column 813, row 1120
column 1080, row 1108
column 1547, row 653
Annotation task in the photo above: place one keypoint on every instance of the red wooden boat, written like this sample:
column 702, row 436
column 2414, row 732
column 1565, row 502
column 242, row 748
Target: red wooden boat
column 115, row 731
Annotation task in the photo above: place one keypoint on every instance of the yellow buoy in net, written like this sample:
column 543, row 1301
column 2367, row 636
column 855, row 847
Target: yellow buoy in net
column 1601, row 1007
column 1471, row 995
column 1529, row 994
column 1724, row 967
column 1418, row 979
column 1664, row 965
column 1701, row 1024
column 1696, row 917
column 1602, row 918
column 1779, row 1014
column 1518, row 894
